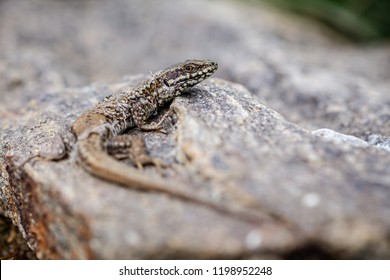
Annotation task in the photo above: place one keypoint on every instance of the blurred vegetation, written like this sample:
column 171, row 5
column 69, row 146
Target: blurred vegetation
column 361, row 20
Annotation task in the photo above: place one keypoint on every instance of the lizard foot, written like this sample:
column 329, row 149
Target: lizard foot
column 132, row 147
column 157, row 127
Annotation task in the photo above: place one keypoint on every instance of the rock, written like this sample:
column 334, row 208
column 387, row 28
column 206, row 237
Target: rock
column 224, row 146
column 338, row 138
column 379, row 141
column 13, row 246
column 316, row 198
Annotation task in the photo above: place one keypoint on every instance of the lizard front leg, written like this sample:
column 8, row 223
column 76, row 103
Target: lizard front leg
column 156, row 126
column 141, row 112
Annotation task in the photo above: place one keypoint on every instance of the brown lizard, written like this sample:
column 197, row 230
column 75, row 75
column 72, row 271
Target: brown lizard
column 98, row 131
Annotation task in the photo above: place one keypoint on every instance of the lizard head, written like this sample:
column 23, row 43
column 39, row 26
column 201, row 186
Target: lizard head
column 182, row 76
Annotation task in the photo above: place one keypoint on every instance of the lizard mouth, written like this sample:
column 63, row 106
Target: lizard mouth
column 175, row 83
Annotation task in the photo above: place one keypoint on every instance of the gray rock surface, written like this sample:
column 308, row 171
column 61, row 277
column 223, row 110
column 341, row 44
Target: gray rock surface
column 223, row 145
column 311, row 196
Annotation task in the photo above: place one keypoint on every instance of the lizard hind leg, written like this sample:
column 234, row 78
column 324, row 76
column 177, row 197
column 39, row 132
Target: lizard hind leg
column 131, row 147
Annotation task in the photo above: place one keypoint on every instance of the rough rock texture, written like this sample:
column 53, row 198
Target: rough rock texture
column 223, row 145
column 12, row 244
column 310, row 192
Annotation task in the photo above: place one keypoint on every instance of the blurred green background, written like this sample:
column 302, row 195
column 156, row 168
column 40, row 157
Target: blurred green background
column 360, row 20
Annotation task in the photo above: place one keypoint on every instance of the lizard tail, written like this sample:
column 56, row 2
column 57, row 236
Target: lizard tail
column 93, row 157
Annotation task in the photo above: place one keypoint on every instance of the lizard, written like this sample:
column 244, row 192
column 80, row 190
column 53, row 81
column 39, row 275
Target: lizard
column 96, row 136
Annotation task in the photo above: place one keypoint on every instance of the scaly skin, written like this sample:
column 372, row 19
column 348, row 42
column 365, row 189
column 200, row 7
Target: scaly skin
column 117, row 113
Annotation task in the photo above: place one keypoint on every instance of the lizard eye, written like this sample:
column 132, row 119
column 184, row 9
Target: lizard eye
column 188, row 68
